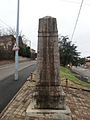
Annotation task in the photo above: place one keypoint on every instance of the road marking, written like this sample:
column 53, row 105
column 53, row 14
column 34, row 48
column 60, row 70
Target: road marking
column 4, row 67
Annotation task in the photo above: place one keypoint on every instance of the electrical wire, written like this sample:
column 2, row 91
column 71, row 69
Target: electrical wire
column 75, row 2
column 77, row 19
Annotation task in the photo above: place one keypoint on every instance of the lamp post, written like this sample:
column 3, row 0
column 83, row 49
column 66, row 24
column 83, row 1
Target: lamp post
column 17, row 33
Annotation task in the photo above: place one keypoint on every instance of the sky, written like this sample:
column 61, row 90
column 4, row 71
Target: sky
column 65, row 11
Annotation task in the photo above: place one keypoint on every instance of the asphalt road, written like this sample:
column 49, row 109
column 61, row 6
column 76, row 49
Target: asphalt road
column 9, row 87
column 8, row 69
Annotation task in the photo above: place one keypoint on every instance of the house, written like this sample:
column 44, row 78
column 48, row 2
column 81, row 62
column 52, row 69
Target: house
column 88, row 62
column 7, row 41
column 6, row 44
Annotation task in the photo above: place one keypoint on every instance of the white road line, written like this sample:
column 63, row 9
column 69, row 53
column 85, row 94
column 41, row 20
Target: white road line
column 5, row 67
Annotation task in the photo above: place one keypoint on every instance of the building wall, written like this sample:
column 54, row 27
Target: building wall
column 6, row 45
column 88, row 64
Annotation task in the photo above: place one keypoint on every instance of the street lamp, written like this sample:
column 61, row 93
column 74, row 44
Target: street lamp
column 17, row 43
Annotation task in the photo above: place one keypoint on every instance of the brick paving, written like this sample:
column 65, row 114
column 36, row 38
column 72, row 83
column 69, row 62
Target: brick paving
column 79, row 103
column 77, row 100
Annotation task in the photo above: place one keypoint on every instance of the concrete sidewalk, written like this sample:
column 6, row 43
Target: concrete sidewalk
column 20, row 59
column 77, row 100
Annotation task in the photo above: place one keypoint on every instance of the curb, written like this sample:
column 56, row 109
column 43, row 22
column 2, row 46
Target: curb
column 77, row 88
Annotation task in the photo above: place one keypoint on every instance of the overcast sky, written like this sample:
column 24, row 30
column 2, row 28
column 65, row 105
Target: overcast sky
column 65, row 11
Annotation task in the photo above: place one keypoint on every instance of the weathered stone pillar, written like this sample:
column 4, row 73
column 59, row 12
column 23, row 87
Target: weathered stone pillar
column 49, row 91
column 49, row 102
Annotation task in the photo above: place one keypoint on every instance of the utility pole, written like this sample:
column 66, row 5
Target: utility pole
column 17, row 43
column 30, row 48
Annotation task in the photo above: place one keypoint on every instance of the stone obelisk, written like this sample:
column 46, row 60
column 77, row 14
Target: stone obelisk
column 49, row 90
column 49, row 97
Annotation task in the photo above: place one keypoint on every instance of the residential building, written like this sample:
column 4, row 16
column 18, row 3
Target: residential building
column 88, row 62
column 6, row 44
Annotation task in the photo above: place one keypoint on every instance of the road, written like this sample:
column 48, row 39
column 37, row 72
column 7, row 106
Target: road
column 8, row 69
column 82, row 71
column 8, row 86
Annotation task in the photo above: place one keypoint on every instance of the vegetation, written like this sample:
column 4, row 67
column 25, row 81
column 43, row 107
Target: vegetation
column 81, row 61
column 66, row 73
column 6, row 55
column 68, row 52
column 73, row 81
column 24, row 51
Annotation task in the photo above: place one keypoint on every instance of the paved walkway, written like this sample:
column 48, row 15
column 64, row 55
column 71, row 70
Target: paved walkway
column 77, row 100
column 79, row 103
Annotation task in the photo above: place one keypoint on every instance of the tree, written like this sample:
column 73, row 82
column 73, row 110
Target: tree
column 24, row 49
column 68, row 52
column 81, row 61
column 28, row 53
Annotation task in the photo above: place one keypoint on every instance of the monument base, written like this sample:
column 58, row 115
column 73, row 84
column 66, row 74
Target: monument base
column 47, row 114
column 50, row 97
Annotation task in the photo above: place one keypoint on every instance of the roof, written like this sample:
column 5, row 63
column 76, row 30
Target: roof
column 6, row 37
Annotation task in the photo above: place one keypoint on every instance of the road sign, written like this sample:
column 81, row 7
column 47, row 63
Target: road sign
column 15, row 47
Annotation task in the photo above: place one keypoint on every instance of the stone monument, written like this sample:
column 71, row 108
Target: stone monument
column 49, row 95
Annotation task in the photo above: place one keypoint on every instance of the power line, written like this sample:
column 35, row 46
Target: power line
column 75, row 2
column 77, row 20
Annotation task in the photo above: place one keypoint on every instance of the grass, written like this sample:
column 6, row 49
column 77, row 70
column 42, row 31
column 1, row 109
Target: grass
column 73, row 81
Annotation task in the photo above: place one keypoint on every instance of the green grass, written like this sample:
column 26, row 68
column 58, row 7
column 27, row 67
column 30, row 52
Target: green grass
column 66, row 73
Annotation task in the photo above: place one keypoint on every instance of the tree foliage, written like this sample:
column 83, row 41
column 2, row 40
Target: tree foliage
column 81, row 61
column 24, row 51
column 68, row 52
